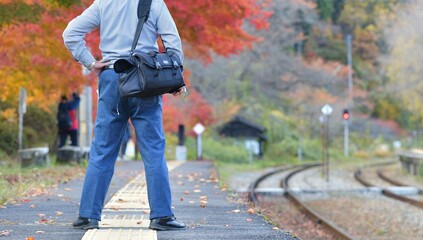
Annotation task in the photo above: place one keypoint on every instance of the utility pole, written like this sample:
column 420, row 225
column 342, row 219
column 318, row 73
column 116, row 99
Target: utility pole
column 349, row 59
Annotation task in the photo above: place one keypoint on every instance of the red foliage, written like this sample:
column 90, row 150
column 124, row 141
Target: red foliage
column 217, row 26
column 188, row 112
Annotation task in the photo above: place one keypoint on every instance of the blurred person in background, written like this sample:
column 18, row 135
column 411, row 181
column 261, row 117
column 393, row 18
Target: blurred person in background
column 67, row 121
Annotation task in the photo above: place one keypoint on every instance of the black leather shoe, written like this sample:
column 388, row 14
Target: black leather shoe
column 85, row 223
column 166, row 224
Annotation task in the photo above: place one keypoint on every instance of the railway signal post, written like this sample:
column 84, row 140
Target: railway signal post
column 346, row 118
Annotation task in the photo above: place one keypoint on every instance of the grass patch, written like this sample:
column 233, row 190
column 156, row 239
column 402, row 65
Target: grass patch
column 17, row 183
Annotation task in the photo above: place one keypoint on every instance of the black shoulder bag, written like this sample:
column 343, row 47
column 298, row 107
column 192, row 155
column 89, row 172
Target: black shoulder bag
column 148, row 74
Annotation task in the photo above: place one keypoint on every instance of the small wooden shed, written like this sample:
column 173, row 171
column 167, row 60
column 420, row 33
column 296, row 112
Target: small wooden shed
column 253, row 134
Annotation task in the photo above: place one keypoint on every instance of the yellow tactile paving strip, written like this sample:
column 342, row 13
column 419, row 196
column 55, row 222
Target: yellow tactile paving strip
column 125, row 220
column 132, row 196
column 120, row 234
column 127, row 226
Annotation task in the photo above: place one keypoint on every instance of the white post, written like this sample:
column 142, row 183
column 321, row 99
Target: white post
column 89, row 116
column 21, row 112
column 199, row 148
column 199, row 129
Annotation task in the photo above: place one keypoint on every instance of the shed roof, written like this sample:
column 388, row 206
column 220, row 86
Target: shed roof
column 241, row 127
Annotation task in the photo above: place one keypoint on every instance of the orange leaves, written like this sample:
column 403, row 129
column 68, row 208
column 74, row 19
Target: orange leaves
column 35, row 58
column 251, row 211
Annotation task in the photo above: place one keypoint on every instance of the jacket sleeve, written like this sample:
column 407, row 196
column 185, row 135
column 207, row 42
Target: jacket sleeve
column 74, row 34
column 166, row 28
column 74, row 104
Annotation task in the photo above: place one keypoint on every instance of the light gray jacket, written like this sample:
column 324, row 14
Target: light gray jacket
column 117, row 20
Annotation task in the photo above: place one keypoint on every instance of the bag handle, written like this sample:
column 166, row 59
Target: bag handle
column 142, row 12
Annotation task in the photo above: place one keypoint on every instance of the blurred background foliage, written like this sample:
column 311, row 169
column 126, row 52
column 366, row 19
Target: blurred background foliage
column 287, row 60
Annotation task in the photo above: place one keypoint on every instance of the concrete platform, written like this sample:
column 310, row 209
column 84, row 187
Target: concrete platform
column 209, row 213
column 197, row 200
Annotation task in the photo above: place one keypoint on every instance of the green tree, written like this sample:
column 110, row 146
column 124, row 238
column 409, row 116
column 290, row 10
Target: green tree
column 326, row 9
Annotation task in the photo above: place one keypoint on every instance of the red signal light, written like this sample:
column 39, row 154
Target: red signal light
column 345, row 114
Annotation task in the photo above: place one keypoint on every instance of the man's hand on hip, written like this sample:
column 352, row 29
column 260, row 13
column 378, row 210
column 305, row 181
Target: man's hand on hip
column 98, row 67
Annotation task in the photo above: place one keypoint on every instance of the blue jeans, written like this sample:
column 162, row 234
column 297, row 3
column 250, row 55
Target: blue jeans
column 112, row 119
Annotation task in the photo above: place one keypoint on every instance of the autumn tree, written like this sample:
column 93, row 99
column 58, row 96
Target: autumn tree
column 40, row 62
column 271, row 75
column 402, row 64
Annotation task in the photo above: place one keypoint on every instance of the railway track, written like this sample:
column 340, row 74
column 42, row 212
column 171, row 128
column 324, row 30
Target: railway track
column 359, row 177
column 332, row 227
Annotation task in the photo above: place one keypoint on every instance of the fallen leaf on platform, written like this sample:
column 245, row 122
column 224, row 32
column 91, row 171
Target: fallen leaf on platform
column 249, row 219
column 203, row 205
column 43, row 220
column 146, row 211
column 186, row 192
column 139, row 222
column 26, row 200
column 58, row 213
column 236, row 211
column 181, row 199
column 251, row 211
column 4, row 233
column 30, row 238
column 121, row 200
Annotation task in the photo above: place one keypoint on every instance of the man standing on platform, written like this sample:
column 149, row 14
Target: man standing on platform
column 117, row 21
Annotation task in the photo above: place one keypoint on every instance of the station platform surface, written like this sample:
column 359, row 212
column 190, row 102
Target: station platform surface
column 198, row 200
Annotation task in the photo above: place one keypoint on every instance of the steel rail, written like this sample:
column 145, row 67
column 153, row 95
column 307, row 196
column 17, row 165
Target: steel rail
column 389, row 180
column 252, row 196
column 320, row 219
column 386, row 192
column 359, row 178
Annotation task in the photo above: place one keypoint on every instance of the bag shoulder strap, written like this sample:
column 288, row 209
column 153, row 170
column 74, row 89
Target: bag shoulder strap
column 142, row 12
